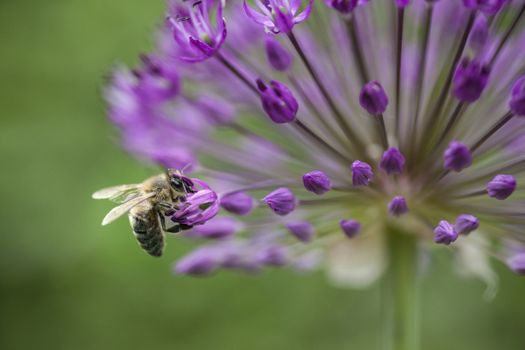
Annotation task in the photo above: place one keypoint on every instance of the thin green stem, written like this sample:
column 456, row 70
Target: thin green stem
column 400, row 293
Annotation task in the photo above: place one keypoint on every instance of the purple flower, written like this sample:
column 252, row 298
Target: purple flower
column 278, row 57
column 444, row 233
column 517, row 100
column 278, row 101
column 207, row 117
column 273, row 255
column 198, row 208
column 517, row 263
column 196, row 37
column 199, row 262
column 362, row 173
column 216, row 228
column 302, row 230
column 157, row 81
column 278, row 16
column 457, row 156
column 343, row 6
column 317, row 182
column 465, row 224
column 239, row 203
column 282, row 201
column 351, row 228
column 398, row 206
column 392, row 161
column 373, row 98
column 470, row 79
column 501, row 186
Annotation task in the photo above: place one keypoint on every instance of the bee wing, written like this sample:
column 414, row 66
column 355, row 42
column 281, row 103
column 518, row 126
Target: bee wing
column 115, row 192
column 122, row 209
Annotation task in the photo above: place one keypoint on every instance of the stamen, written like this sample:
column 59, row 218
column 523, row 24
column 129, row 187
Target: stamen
column 507, row 34
column 427, row 20
column 399, row 49
column 438, row 106
column 357, row 51
column 504, row 120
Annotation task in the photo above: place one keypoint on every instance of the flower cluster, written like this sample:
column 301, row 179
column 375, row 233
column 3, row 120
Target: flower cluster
column 317, row 139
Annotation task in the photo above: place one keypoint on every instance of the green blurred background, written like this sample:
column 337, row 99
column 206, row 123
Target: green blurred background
column 68, row 283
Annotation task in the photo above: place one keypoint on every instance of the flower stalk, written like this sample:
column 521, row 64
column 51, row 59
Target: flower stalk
column 400, row 297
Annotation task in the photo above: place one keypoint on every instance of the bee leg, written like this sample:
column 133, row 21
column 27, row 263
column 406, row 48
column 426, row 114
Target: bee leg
column 174, row 229
column 162, row 222
column 167, row 208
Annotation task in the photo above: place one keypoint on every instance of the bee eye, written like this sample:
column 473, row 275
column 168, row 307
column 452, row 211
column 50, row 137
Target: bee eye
column 177, row 184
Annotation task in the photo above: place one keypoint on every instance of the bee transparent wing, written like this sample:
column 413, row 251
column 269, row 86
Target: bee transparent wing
column 119, row 193
column 122, row 209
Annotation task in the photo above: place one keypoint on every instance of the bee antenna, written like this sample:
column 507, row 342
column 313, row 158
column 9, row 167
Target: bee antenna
column 184, row 168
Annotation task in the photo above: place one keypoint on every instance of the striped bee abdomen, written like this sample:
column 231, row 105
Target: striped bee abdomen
column 147, row 230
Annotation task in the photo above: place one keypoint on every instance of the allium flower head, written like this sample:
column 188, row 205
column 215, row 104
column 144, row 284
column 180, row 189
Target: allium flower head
column 419, row 134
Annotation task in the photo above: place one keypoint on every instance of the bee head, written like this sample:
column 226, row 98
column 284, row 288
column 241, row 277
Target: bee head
column 179, row 182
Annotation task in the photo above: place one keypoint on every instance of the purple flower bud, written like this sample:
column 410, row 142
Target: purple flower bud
column 402, row 3
column 302, row 230
column 239, row 203
column 282, row 201
column 350, row 228
column 470, row 79
column 488, row 7
column 278, row 57
column 444, row 233
column 398, row 206
column 278, row 16
column 373, row 98
column 465, row 224
column 278, row 101
column 201, row 261
column 501, row 186
column 457, row 156
column 517, row 263
column 392, row 161
column 362, row 173
column 517, row 99
column 479, row 34
column 274, row 255
column 343, row 6
column 217, row 228
column 317, row 182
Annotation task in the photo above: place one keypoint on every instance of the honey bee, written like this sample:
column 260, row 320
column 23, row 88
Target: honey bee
column 148, row 204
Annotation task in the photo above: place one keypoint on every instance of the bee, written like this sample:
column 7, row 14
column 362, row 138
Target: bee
column 147, row 205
